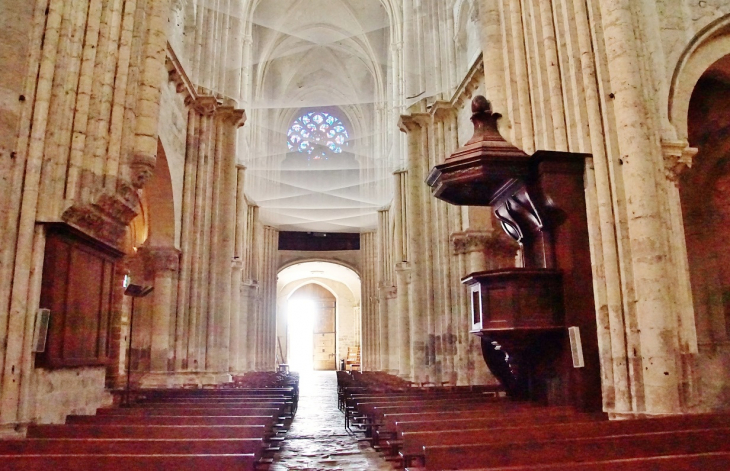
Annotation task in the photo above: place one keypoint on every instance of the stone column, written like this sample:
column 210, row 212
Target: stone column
column 403, row 280
column 655, row 371
column 162, row 264
column 234, row 351
column 229, row 120
column 249, row 297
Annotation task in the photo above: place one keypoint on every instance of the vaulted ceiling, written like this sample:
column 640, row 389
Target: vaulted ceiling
column 320, row 55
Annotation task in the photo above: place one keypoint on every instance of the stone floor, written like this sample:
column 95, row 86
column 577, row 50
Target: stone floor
column 317, row 439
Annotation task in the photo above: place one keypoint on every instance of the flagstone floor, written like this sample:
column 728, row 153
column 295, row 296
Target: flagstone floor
column 317, row 439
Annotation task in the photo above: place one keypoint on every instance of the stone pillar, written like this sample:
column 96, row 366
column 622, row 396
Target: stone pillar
column 654, row 371
column 234, row 352
column 162, row 265
column 229, row 120
column 403, row 280
column 249, row 300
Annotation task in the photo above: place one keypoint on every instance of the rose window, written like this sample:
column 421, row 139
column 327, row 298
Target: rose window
column 317, row 134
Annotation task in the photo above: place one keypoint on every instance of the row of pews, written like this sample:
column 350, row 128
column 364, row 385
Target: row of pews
column 232, row 428
column 477, row 428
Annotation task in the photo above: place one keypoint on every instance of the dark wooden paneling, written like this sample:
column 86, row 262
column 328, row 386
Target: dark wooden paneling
column 78, row 277
column 318, row 241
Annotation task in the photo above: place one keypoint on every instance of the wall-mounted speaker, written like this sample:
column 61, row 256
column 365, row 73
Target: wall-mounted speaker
column 576, row 347
column 42, row 319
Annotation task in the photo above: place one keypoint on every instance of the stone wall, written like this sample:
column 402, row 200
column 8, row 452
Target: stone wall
column 68, row 391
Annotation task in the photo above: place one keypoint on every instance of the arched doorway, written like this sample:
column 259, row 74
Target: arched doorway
column 705, row 196
column 311, row 312
column 318, row 315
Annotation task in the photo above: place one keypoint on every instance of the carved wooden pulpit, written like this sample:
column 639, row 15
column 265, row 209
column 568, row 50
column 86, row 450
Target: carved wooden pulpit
column 523, row 314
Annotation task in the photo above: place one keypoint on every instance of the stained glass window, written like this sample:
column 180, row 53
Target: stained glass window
column 317, row 134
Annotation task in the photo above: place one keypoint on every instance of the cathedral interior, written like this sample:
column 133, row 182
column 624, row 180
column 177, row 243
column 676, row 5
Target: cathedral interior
column 195, row 190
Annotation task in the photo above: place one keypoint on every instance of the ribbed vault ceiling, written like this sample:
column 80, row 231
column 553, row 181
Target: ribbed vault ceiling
column 319, row 55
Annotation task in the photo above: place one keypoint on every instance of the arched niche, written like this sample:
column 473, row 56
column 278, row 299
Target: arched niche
column 707, row 47
column 705, row 196
column 161, row 204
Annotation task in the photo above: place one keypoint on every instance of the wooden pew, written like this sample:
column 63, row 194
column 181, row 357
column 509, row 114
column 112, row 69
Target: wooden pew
column 379, row 414
column 266, row 420
column 388, row 429
column 146, row 431
column 144, row 411
column 375, row 410
column 694, row 462
column 599, row 448
column 411, row 436
column 129, row 462
column 414, row 441
column 131, row 446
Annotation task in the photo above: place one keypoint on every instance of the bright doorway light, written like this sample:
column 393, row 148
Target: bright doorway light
column 300, row 315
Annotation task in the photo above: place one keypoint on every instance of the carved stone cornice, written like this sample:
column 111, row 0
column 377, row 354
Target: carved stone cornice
column 176, row 74
column 473, row 79
column 678, row 156
column 107, row 216
column 492, row 243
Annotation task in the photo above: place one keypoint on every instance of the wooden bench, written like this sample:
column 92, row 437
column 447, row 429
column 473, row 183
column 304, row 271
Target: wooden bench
column 387, row 429
column 602, row 448
column 411, row 436
column 571, row 442
column 379, row 413
column 266, row 420
column 375, row 410
column 172, row 411
column 146, row 431
column 129, row 462
column 132, row 446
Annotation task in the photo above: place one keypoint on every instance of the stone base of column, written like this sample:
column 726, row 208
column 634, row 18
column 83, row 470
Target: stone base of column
column 178, row 380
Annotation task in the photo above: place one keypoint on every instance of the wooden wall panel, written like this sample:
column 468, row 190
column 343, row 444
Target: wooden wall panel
column 78, row 279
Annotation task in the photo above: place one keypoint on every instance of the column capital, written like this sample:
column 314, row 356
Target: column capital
column 160, row 259
column 492, row 242
column 678, row 156
column 206, row 105
column 231, row 115
column 388, row 291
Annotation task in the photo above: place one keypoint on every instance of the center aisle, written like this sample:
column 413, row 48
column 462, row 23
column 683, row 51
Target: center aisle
column 317, row 439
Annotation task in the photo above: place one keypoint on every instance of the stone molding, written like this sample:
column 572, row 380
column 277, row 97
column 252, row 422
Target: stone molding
column 107, row 216
column 473, row 79
column 493, row 243
column 205, row 103
column 176, row 74
column 678, row 156
column 159, row 260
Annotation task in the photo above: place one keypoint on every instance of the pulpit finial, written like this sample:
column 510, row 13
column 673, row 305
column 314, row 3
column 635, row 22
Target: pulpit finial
column 485, row 121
